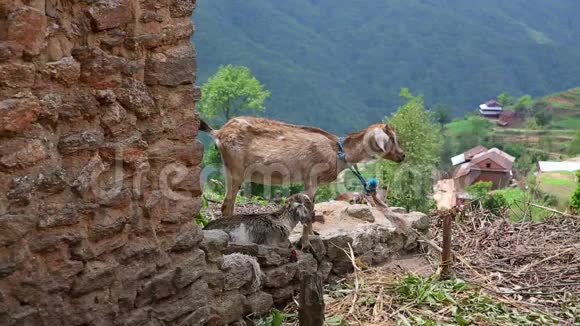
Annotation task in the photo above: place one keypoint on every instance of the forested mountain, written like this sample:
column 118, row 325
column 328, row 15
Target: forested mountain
column 340, row 64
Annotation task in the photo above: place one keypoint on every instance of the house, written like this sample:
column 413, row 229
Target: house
column 551, row 166
column 506, row 118
column 490, row 109
column 482, row 164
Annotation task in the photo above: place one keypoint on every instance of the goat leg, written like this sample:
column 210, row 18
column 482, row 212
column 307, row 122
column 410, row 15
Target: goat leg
column 305, row 236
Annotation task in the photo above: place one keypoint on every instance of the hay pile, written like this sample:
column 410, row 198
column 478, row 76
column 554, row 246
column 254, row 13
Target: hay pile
column 530, row 264
column 507, row 274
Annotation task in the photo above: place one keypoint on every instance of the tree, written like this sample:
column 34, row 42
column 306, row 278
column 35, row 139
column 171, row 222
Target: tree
column 479, row 189
column 505, row 99
column 410, row 183
column 574, row 146
column 543, row 117
column 441, row 114
column 524, row 103
column 231, row 91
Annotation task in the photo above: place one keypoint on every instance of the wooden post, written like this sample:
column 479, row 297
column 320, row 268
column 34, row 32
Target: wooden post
column 311, row 309
column 446, row 252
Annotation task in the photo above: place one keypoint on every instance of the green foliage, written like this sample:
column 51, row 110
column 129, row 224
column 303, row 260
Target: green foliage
column 467, row 304
column 323, row 74
column 575, row 198
column 479, row 189
column 524, row 103
column 470, row 132
column 519, row 202
column 504, row 99
column 442, row 114
column 275, row 318
column 514, row 149
column 231, row 91
column 543, row 117
column 200, row 218
column 410, row 182
column 574, row 146
column 495, row 203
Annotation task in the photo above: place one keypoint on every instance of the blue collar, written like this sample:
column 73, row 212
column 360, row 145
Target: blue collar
column 341, row 155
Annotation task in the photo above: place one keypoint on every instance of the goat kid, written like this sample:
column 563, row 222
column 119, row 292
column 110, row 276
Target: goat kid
column 272, row 229
column 272, row 152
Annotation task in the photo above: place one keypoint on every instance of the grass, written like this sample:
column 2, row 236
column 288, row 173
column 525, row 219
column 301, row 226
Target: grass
column 560, row 184
column 466, row 304
column 570, row 123
column 518, row 202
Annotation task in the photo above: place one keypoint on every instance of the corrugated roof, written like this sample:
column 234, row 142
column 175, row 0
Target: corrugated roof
column 470, row 153
column 458, row 159
column 550, row 166
column 494, row 154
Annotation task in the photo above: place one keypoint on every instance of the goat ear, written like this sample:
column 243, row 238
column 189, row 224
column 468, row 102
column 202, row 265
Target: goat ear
column 381, row 138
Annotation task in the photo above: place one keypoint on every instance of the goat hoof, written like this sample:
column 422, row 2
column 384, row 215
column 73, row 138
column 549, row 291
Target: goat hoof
column 306, row 247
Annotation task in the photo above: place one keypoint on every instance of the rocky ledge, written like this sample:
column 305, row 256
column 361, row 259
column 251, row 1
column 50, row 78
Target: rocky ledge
column 250, row 279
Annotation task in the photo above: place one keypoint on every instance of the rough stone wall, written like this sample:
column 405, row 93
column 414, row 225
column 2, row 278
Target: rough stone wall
column 99, row 176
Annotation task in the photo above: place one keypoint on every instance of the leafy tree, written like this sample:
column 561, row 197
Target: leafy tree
column 495, row 203
column 505, row 99
column 447, row 152
column 543, row 117
column 524, row 103
column 574, row 146
column 441, row 114
column 410, row 182
column 479, row 189
column 230, row 92
column 477, row 133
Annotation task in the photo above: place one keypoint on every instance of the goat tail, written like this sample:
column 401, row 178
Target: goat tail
column 204, row 126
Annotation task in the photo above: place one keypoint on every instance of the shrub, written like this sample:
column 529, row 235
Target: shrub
column 479, row 189
column 495, row 203
column 575, row 199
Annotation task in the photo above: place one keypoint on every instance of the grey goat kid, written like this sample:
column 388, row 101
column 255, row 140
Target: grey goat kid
column 272, row 229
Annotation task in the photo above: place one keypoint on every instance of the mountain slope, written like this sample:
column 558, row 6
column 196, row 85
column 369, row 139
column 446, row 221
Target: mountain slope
column 339, row 64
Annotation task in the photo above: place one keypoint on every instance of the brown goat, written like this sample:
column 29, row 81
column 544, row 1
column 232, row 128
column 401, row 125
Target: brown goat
column 272, row 152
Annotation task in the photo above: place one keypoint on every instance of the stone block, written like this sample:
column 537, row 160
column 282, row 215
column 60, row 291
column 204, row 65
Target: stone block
column 241, row 271
column 65, row 71
column 107, row 223
column 17, row 113
column 26, row 26
column 360, row 211
column 96, row 275
column 99, row 69
column 49, row 240
column 169, row 71
column 187, row 301
column 135, row 96
column 137, row 248
column 229, row 307
column 282, row 295
column 181, row 8
column 280, row 276
column 21, row 153
column 190, row 269
column 188, row 238
column 107, row 14
column 85, row 140
column 21, row 190
column 58, row 215
column 258, row 303
column 17, row 75
column 15, row 227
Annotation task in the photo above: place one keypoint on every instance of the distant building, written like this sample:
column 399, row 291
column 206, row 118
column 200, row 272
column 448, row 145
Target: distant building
column 552, row 166
column 482, row 164
column 490, row 109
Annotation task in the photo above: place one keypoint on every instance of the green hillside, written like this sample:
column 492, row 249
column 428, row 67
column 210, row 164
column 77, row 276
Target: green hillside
column 340, row 64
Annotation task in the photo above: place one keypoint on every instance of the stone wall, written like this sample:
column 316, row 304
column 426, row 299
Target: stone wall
column 99, row 176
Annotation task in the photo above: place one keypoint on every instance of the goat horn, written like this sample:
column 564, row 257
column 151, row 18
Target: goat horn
column 381, row 138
